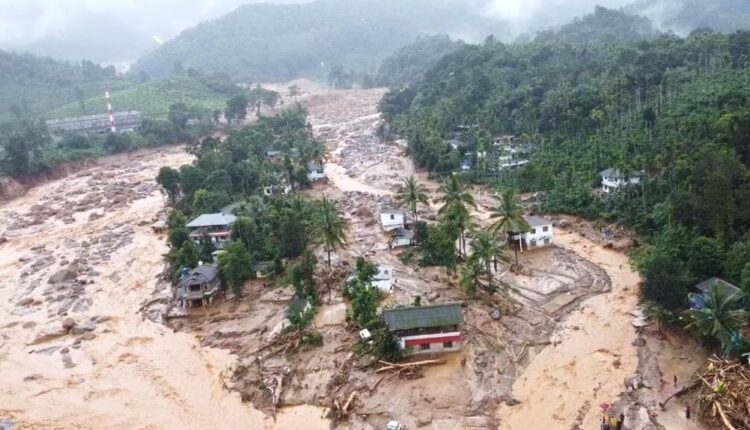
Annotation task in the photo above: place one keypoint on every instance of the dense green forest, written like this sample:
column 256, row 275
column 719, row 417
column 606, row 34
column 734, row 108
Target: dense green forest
column 604, row 25
column 276, row 42
column 409, row 63
column 676, row 108
column 684, row 16
column 32, row 85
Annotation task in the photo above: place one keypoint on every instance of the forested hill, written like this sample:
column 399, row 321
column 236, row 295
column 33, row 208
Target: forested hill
column 604, row 25
column 409, row 63
column 32, row 85
column 278, row 42
column 675, row 108
column 684, row 16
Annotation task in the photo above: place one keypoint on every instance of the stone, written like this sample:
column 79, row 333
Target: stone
column 88, row 336
column 424, row 418
column 495, row 314
column 82, row 328
column 63, row 275
column 47, row 334
column 68, row 324
column 28, row 301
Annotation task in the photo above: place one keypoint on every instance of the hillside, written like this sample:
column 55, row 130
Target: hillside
column 684, row 16
column 278, row 42
column 409, row 63
column 677, row 109
column 31, row 85
column 154, row 97
column 604, row 25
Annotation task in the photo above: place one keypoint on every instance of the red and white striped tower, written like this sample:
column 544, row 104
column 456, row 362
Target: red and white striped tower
column 112, row 125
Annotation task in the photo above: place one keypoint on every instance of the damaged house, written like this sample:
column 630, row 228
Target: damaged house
column 426, row 329
column 198, row 287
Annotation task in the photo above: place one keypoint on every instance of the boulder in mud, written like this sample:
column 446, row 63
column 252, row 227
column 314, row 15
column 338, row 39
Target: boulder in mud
column 64, row 275
column 68, row 324
column 495, row 314
column 82, row 328
column 47, row 334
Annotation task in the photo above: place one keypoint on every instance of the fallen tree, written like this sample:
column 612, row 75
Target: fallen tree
column 722, row 390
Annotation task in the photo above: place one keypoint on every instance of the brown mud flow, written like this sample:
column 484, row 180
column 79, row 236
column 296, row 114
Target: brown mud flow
column 80, row 262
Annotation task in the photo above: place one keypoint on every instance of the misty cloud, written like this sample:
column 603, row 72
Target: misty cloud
column 532, row 15
column 104, row 30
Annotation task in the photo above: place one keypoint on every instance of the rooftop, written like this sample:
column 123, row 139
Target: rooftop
column 537, row 221
column 200, row 275
column 210, row 220
column 619, row 174
column 726, row 287
column 440, row 315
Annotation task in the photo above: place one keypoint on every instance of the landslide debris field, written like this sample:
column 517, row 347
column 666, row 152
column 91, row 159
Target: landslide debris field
column 83, row 344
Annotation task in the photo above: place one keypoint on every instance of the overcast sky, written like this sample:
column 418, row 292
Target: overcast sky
column 65, row 28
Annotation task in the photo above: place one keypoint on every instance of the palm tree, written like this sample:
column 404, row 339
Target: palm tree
column 459, row 221
column 486, row 249
column 469, row 277
column 509, row 215
column 410, row 194
column 330, row 227
column 721, row 317
column 455, row 209
column 454, row 194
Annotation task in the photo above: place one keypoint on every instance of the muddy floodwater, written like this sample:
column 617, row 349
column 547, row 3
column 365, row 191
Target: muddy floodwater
column 114, row 369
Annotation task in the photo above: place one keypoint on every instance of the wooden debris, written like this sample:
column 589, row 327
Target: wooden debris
column 723, row 389
column 402, row 366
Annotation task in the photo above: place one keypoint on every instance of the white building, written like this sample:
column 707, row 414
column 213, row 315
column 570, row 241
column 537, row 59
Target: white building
column 392, row 219
column 540, row 234
column 613, row 179
column 315, row 172
column 384, row 279
column 401, row 237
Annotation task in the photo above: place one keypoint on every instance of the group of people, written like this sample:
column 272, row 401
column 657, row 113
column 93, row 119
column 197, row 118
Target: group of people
column 611, row 422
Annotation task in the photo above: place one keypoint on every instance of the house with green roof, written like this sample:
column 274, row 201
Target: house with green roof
column 426, row 329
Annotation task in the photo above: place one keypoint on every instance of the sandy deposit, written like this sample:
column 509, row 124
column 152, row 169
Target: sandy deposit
column 112, row 369
column 115, row 369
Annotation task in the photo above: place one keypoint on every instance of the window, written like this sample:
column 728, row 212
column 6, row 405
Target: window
column 545, row 229
column 393, row 216
column 546, row 241
column 448, row 344
column 533, row 231
column 424, row 347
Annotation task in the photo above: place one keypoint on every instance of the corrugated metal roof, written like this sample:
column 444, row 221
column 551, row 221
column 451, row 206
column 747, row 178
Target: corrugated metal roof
column 200, row 275
column 726, row 287
column 208, row 220
column 619, row 174
column 440, row 315
column 537, row 221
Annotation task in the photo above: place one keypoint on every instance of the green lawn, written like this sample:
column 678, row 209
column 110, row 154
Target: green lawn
column 151, row 98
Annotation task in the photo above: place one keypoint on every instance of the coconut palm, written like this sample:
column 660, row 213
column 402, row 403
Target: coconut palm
column 330, row 227
column 410, row 194
column 486, row 249
column 459, row 221
column 509, row 217
column 454, row 194
column 455, row 210
column 469, row 277
column 721, row 317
